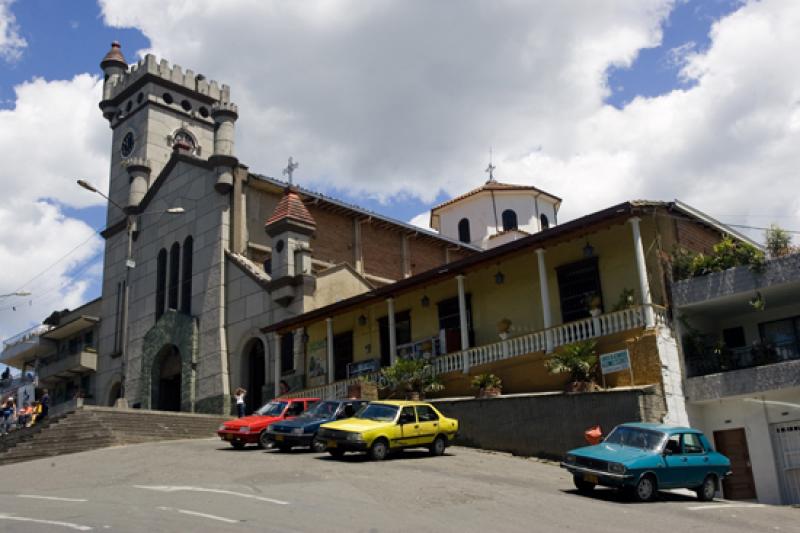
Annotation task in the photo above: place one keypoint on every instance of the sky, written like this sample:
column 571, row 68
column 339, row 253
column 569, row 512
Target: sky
column 395, row 104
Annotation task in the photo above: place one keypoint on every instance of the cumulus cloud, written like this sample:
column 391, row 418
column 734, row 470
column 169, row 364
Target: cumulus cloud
column 53, row 135
column 388, row 97
column 11, row 43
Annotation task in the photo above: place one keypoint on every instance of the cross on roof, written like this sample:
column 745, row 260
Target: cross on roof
column 490, row 169
column 290, row 168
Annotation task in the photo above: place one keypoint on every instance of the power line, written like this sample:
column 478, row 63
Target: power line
column 762, row 229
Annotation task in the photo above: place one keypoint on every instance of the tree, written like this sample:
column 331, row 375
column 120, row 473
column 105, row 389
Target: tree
column 779, row 242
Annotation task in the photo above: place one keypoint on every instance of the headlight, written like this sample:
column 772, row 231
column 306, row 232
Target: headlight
column 569, row 459
column 297, row 431
column 354, row 436
column 616, row 468
column 244, row 429
column 221, row 427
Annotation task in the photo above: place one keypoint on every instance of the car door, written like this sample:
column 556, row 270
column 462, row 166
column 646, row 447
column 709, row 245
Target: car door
column 407, row 427
column 674, row 463
column 697, row 459
column 428, row 424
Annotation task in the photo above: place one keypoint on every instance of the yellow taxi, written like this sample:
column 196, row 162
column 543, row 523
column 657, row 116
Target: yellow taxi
column 389, row 425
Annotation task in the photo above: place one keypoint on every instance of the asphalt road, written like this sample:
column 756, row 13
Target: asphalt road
column 203, row 485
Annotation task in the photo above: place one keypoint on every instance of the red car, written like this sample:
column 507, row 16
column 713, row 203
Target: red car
column 247, row 430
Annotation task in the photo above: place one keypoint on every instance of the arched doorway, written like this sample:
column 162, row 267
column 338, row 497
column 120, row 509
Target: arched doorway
column 114, row 393
column 255, row 371
column 167, row 379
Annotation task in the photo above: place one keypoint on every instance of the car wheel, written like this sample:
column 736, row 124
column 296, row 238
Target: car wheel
column 438, row 446
column 336, row 453
column 238, row 445
column 318, row 446
column 706, row 491
column 583, row 486
column 379, row 450
column 645, row 489
column 263, row 440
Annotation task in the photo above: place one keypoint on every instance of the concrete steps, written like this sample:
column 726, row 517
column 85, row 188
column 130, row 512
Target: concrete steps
column 88, row 428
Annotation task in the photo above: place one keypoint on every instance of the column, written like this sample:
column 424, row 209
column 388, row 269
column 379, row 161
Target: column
column 392, row 332
column 463, row 324
column 329, row 346
column 641, row 268
column 276, row 352
column 544, row 290
column 358, row 255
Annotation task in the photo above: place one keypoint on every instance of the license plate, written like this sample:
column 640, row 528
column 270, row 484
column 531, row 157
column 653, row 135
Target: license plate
column 278, row 438
column 331, row 444
column 228, row 436
column 590, row 478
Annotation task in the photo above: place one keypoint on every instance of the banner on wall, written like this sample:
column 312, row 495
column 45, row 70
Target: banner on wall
column 317, row 371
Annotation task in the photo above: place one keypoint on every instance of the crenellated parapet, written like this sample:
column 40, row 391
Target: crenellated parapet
column 174, row 74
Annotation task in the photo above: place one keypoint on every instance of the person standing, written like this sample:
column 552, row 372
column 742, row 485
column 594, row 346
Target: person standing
column 44, row 402
column 239, row 394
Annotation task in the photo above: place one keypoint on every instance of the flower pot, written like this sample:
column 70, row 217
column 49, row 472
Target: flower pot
column 488, row 392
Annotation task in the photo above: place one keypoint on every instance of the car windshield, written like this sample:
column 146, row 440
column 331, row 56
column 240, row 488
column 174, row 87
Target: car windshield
column 635, row 437
column 272, row 409
column 322, row 410
column 378, row 411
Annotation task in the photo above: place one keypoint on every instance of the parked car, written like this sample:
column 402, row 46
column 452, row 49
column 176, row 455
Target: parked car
column 247, row 430
column 643, row 458
column 380, row 427
column 302, row 431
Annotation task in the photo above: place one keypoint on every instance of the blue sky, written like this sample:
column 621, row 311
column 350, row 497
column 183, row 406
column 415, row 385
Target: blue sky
column 358, row 103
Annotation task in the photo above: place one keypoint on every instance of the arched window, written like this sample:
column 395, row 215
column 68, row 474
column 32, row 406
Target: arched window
column 509, row 220
column 545, row 221
column 463, row 230
column 161, row 282
column 174, row 264
column 186, row 276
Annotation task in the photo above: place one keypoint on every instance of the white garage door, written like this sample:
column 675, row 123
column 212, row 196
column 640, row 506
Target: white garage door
column 786, row 438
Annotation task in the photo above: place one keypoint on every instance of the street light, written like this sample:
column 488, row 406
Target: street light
column 129, row 264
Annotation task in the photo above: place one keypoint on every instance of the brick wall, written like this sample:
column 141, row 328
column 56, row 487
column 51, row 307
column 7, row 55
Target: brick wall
column 383, row 252
column 333, row 241
column 425, row 255
column 696, row 237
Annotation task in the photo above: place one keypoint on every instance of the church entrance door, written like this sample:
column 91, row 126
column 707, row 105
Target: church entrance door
column 169, row 379
column 256, row 370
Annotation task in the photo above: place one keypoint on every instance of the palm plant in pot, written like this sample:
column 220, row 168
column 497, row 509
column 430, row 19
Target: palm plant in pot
column 579, row 360
column 488, row 385
column 411, row 377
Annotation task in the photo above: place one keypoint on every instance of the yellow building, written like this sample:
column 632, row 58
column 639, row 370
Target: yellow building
column 506, row 309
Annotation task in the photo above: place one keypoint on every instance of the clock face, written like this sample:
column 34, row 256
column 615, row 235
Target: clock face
column 126, row 148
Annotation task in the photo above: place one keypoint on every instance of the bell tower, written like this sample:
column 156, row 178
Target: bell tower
column 155, row 109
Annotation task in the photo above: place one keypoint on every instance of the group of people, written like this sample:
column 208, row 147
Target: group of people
column 19, row 417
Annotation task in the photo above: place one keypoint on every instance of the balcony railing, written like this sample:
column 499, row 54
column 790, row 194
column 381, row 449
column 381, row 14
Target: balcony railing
column 740, row 358
column 539, row 341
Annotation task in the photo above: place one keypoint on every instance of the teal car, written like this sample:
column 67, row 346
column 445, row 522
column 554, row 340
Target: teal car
column 642, row 458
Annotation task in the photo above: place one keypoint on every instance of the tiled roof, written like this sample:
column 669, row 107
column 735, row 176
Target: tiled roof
column 114, row 55
column 492, row 185
column 292, row 207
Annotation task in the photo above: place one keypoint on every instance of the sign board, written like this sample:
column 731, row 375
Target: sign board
column 360, row 368
column 615, row 361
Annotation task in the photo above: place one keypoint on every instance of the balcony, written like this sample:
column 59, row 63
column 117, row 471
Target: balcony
column 539, row 341
column 25, row 346
column 725, row 360
column 67, row 364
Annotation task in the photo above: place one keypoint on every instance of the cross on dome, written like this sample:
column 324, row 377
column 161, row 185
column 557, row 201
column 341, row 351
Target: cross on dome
column 290, row 168
column 491, row 168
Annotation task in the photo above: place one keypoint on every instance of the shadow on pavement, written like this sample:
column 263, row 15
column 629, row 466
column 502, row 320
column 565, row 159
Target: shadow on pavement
column 618, row 496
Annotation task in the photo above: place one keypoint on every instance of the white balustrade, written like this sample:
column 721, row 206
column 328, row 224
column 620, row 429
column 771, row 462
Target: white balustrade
column 579, row 330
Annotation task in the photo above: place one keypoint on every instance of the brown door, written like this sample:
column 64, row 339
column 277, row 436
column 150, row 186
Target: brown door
column 733, row 444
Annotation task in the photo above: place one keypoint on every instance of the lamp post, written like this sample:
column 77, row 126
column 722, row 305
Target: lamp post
column 129, row 265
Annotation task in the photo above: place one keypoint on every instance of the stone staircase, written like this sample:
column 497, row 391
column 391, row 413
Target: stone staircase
column 87, row 428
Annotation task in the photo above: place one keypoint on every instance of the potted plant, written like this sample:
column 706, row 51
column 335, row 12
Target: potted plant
column 412, row 377
column 579, row 360
column 488, row 385
column 625, row 300
column 595, row 304
column 503, row 327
